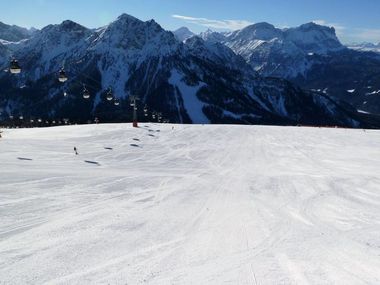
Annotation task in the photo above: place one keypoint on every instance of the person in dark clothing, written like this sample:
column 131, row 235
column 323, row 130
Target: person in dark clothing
column 75, row 150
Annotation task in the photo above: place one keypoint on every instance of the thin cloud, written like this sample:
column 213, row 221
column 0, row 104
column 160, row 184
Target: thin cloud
column 338, row 27
column 368, row 35
column 216, row 24
column 358, row 34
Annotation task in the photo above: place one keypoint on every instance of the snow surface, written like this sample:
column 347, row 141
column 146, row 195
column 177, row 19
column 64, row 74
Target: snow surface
column 193, row 205
column 373, row 93
column 192, row 104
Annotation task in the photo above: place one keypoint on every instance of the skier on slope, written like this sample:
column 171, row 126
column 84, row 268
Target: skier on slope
column 75, row 150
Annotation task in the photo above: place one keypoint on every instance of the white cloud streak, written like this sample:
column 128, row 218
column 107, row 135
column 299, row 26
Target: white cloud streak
column 340, row 29
column 216, row 24
column 368, row 35
column 357, row 34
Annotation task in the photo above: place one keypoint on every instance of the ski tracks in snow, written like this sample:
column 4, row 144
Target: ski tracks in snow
column 193, row 205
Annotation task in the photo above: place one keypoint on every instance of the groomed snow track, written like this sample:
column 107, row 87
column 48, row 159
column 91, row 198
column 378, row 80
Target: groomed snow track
column 193, row 205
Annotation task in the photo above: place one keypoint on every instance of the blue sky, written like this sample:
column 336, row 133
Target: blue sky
column 354, row 20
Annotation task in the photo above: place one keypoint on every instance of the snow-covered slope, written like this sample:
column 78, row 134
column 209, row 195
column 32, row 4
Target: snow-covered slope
column 216, row 52
column 193, row 205
column 49, row 49
column 211, row 36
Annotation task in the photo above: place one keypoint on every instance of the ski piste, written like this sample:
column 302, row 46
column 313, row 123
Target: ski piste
column 196, row 204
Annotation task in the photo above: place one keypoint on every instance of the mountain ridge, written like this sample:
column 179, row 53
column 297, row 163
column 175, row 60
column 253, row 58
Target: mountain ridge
column 179, row 79
column 312, row 57
column 14, row 33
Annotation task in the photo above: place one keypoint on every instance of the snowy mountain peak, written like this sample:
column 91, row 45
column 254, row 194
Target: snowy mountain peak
column 129, row 24
column 127, row 18
column 216, row 52
column 279, row 52
column 324, row 31
column 260, row 26
column 260, row 31
column 152, row 24
column 70, row 26
column 312, row 26
column 183, row 34
column 130, row 33
column 185, row 30
column 66, row 27
column 211, row 36
column 195, row 41
column 314, row 38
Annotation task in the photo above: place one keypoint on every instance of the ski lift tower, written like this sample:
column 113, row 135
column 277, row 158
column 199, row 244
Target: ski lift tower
column 133, row 101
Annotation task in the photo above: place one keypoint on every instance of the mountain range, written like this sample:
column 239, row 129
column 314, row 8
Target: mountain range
column 365, row 46
column 210, row 78
column 312, row 57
